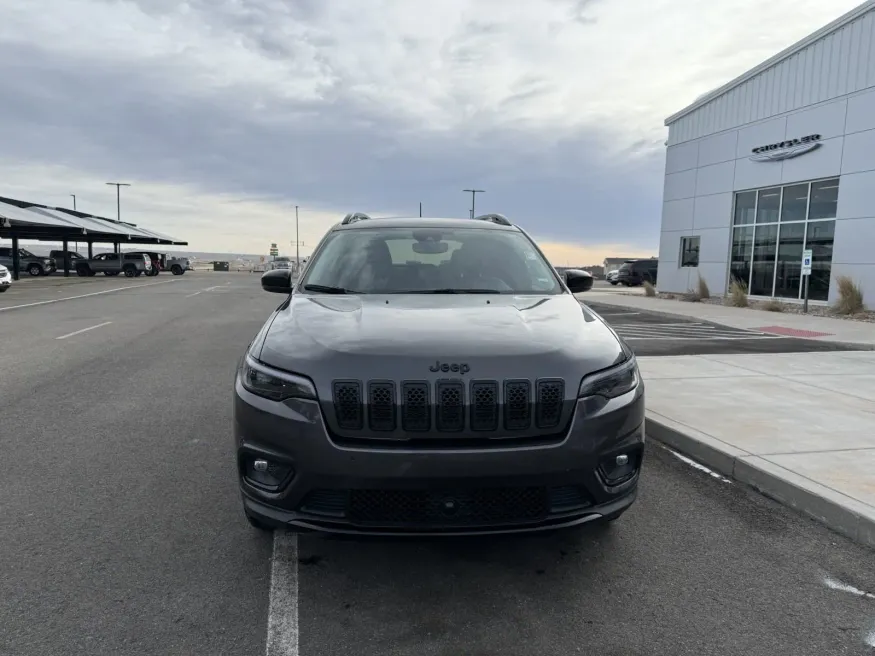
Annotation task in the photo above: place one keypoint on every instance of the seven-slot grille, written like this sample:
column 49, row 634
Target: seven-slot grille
column 450, row 406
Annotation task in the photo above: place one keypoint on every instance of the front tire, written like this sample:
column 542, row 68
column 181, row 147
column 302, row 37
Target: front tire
column 82, row 270
column 176, row 270
column 130, row 271
column 35, row 270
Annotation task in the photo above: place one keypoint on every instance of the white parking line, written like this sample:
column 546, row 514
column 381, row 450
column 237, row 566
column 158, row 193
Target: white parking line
column 190, row 295
column 70, row 298
column 697, row 465
column 282, row 615
column 84, row 330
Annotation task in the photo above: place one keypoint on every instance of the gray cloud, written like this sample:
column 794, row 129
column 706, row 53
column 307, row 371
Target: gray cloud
column 147, row 119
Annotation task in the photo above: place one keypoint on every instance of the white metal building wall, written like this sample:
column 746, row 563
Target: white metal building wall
column 839, row 63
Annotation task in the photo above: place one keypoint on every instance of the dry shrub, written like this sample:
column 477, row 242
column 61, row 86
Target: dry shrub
column 773, row 305
column 738, row 293
column 649, row 290
column 850, row 299
column 702, row 289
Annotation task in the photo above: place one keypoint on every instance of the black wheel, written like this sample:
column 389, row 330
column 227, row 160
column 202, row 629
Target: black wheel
column 176, row 270
column 257, row 523
column 82, row 271
column 614, row 282
column 35, row 270
column 3, row 289
column 130, row 271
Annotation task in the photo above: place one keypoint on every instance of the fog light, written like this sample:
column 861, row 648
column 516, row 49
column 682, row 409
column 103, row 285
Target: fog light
column 267, row 474
column 618, row 469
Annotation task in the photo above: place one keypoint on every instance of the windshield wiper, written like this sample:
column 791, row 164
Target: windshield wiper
column 327, row 289
column 449, row 290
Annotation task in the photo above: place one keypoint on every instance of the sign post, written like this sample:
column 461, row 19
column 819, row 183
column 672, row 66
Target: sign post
column 274, row 251
column 806, row 274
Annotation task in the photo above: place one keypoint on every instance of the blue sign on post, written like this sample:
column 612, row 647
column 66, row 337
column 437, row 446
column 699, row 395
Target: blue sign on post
column 806, row 262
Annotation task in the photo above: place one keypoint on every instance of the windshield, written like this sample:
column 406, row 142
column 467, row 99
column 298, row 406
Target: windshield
column 25, row 253
column 433, row 260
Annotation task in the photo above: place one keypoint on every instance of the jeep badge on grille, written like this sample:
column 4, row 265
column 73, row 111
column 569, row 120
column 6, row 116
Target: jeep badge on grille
column 455, row 367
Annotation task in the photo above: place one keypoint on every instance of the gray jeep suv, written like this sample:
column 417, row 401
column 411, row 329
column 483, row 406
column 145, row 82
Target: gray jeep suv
column 435, row 376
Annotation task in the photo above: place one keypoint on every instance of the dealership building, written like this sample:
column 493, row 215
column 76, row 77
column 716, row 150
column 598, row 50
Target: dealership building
column 778, row 161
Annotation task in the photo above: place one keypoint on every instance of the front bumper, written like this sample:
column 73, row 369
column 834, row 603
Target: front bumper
column 448, row 491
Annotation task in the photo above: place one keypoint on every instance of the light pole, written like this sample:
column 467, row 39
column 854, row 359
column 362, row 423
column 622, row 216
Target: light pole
column 118, row 196
column 74, row 201
column 297, row 240
column 473, row 193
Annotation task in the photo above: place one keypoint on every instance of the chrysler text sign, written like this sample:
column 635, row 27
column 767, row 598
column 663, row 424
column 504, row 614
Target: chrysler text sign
column 785, row 149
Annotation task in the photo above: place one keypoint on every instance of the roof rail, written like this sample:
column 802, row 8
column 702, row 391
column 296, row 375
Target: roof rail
column 500, row 219
column 352, row 217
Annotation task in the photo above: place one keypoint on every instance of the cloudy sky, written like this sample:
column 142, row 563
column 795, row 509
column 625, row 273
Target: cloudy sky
column 225, row 114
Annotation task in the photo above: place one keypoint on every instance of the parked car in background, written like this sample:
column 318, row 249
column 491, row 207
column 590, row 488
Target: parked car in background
column 636, row 272
column 35, row 265
column 612, row 276
column 5, row 279
column 61, row 257
column 177, row 265
column 112, row 264
column 281, row 262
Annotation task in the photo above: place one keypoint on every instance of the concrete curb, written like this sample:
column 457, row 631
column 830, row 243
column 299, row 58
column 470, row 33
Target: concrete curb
column 842, row 514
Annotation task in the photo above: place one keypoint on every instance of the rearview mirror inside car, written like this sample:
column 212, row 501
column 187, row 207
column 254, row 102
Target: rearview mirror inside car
column 578, row 281
column 278, row 281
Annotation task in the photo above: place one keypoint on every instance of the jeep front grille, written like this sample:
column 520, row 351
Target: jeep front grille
column 449, row 406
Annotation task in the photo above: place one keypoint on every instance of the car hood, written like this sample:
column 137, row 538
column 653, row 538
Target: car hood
column 404, row 337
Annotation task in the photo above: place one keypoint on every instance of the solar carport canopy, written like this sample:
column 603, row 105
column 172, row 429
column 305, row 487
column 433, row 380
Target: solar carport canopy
column 22, row 220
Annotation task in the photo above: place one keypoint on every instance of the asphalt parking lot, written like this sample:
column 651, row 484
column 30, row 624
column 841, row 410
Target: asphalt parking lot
column 648, row 333
column 121, row 531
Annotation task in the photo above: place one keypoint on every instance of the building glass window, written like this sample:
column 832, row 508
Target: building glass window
column 765, row 247
column 785, row 220
column 742, row 252
column 820, row 239
column 794, row 203
column 689, row 251
column 768, row 205
column 745, row 207
column 824, row 200
column 788, row 271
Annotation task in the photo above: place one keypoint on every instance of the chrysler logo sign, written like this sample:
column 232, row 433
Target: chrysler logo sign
column 785, row 149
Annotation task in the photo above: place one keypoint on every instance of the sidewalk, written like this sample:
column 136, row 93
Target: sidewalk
column 835, row 330
column 798, row 427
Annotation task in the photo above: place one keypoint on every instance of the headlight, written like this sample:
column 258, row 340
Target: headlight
column 274, row 384
column 612, row 382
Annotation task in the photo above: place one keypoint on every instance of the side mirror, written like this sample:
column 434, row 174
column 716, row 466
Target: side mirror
column 278, row 281
column 578, row 281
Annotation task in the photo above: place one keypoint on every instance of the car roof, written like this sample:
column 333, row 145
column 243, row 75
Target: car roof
column 421, row 222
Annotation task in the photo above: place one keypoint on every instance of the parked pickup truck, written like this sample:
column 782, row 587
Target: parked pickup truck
column 61, row 257
column 112, row 264
column 161, row 262
column 35, row 265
